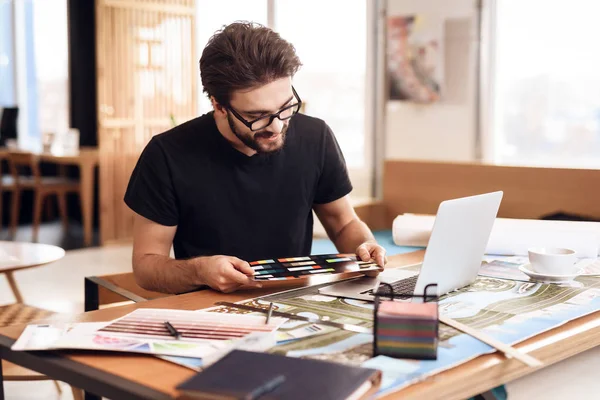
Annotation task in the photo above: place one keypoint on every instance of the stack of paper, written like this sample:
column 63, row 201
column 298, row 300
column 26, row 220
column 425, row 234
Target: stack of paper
column 407, row 330
column 510, row 236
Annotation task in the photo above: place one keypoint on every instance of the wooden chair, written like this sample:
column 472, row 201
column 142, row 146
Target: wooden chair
column 7, row 184
column 42, row 186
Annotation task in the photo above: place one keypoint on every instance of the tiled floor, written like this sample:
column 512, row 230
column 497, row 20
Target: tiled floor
column 59, row 287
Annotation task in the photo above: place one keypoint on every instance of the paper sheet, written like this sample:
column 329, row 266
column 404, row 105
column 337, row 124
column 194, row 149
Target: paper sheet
column 144, row 338
column 194, row 326
column 52, row 337
column 510, row 236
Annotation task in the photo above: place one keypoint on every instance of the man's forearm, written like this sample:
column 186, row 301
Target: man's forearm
column 164, row 274
column 352, row 235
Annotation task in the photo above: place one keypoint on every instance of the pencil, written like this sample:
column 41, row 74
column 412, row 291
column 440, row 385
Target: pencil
column 174, row 332
column 270, row 312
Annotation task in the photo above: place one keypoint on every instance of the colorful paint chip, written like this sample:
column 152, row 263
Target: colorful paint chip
column 300, row 268
column 298, row 263
column 293, row 259
column 318, row 271
column 262, row 262
column 334, row 260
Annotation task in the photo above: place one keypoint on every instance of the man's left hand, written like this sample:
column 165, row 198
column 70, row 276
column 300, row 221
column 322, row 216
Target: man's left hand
column 372, row 251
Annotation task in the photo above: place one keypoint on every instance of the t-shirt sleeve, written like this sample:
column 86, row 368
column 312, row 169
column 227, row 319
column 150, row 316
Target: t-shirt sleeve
column 150, row 191
column 334, row 181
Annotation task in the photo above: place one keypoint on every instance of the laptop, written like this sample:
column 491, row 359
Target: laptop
column 452, row 259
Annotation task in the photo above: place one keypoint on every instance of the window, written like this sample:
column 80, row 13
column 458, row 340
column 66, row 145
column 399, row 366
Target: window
column 51, row 54
column 546, row 86
column 34, row 66
column 7, row 67
column 333, row 51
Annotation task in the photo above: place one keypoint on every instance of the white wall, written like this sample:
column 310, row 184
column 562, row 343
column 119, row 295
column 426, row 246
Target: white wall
column 445, row 130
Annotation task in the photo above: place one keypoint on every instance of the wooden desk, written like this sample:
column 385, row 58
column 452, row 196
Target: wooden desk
column 137, row 377
column 87, row 160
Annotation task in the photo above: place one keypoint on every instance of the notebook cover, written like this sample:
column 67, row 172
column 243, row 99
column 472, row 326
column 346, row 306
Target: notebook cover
column 240, row 372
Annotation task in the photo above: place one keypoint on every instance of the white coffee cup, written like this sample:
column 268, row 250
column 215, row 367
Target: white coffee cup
column 553, row 260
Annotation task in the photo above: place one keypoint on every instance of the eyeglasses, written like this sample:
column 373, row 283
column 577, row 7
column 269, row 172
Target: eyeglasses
column 262, row 122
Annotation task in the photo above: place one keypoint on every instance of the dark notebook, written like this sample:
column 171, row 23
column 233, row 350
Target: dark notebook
column 249, row 375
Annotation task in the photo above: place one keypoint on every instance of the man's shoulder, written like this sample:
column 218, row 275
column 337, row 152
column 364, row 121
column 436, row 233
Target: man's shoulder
column 186, row 133
column 311, row 130
column 306, row 122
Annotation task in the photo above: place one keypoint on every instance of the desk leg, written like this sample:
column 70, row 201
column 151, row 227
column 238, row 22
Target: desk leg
column 91, row 300
column 89, row 396
column 1, row 380
column 498, row 393
column 86, row 171
column 90, row 304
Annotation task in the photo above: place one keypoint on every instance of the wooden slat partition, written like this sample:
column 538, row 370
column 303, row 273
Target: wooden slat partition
column 147, row 71
column 419, row 187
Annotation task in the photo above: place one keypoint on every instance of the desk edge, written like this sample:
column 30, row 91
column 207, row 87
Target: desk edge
column 77, row 374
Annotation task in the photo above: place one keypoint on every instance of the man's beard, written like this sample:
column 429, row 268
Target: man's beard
column 252, row 140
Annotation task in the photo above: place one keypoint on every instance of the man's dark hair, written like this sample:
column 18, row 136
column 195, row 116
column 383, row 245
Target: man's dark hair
column 244, row 55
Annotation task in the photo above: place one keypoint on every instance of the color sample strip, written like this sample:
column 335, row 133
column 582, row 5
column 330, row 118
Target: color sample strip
column 300, row 268
column 191, row 324
column 407, row 330
column 318, row 271
column 293, row 259
column 298, row 264
column 334, row 260
column 262, row 262
column 265, row 272
column 367, row 265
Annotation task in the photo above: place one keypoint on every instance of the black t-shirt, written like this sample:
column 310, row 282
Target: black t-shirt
column 224, row 202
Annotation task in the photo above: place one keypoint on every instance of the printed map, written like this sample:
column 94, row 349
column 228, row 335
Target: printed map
column 509, row 310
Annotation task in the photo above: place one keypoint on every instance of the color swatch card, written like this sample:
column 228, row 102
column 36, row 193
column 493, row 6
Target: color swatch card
column 406, row 330
column 192, row 325
column 304, row 267
column 201, row 335
column 85, row 336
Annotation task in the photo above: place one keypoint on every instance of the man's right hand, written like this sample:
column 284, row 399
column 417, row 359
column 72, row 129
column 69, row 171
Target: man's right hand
column 224, row 273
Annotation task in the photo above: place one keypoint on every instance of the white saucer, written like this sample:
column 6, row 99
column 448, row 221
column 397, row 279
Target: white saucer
column 548, row 278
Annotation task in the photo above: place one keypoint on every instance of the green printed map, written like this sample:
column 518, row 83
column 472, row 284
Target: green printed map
column 510, row 311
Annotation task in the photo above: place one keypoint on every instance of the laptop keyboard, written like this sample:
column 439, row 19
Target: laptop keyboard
column 405, row 286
